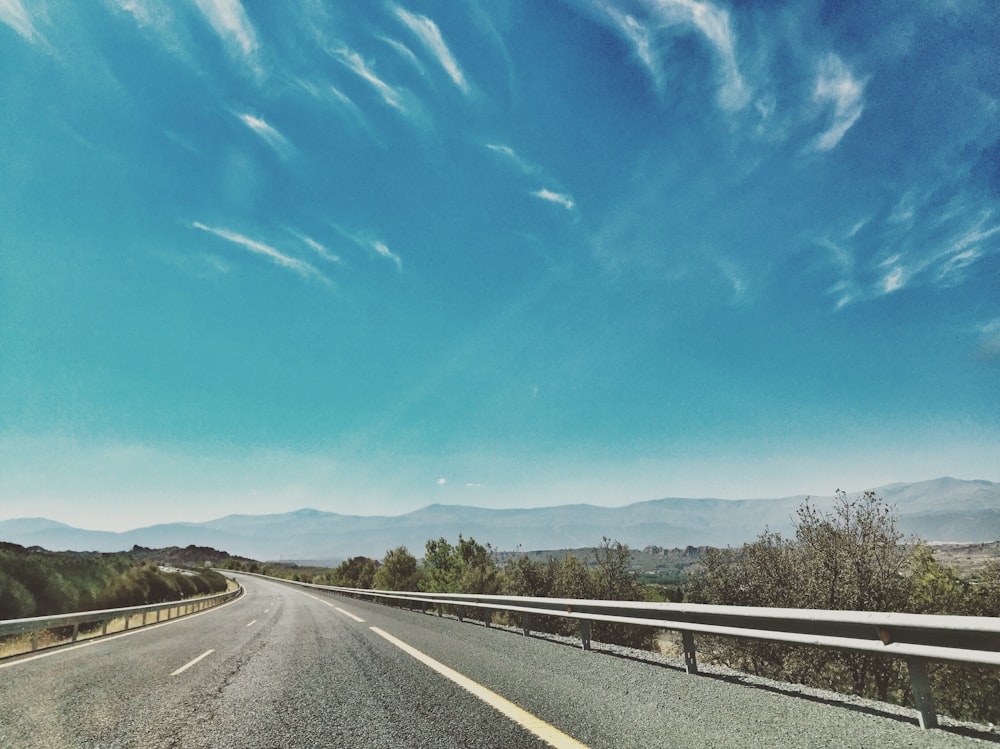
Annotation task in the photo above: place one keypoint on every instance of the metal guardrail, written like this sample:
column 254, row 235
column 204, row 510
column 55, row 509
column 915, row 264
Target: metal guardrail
column 915, row 638
column 171, row 610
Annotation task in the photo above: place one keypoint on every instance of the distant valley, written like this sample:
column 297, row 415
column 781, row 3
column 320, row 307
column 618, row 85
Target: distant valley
column 944, row 510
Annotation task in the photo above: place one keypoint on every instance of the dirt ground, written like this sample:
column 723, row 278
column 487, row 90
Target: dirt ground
column 969, row 559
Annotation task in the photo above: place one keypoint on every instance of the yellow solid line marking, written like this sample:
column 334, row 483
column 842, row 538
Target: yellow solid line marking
column 546, row 732
column 188, row 665
column 348, row 613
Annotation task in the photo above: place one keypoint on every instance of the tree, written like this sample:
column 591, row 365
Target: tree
column 479, row 570
column 613, row 580
column 933, row 587
column 851, row 558
column 468, row 567
column 399, row 571
column 441, row 566
column 848, row 558
column 758, row 574
column 608, row 577
column 356, row 572
column 527, row 577
column 755, row 575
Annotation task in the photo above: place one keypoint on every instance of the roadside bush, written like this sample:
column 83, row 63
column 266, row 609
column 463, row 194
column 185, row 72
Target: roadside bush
column 850, row 558
column 608, row 577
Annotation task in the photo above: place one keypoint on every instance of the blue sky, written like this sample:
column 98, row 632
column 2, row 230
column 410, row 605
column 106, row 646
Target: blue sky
column 364, row 257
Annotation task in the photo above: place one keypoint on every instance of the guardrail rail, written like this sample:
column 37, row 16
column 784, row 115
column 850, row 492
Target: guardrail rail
column 150, row 614
column 915, row 638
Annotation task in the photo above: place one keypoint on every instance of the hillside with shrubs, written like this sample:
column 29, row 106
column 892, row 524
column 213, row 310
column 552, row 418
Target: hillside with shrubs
column 35, row 582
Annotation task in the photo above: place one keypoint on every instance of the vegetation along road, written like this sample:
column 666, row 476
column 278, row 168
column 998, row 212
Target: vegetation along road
column 288, row 667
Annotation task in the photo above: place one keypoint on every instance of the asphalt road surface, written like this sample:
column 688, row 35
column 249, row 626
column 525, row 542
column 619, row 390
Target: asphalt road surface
column 284, row 667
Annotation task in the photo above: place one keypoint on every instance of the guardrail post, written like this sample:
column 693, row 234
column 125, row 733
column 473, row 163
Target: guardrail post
column 487, row 618
column 920, row 685
column 690, row 657
column 76, row 632
column 104, row 627
column 585, row 633
column 526, row 623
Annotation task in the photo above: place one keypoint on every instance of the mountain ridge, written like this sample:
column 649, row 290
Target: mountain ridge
column 943, row 509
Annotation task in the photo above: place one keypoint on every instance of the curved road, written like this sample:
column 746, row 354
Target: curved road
column 287, row 667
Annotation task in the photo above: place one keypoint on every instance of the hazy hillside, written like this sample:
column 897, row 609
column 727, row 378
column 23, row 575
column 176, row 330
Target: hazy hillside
column 940, row 510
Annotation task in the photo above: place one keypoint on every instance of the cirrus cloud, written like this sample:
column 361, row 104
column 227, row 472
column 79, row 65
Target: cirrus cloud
column 300, row 267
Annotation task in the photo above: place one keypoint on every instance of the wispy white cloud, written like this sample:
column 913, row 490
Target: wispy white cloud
column 385, row 252
column 965, row 249
column 954, row 266
column 302, row 268
column 845, row 293
column 989, row 343
column 230, row 22
column 733, row 274
column 267, row 133
column 369, row 242
column 162, row 20
column 428, row 33
column 895, row 275
column 529, row 169
column 513, row 157
column 14, row 14
column 566, row 201
column 360, row 67
column 858, row 226
column 505, row 150
column 938, row 242
column 845, row 290
column 344, row 99
column 712, row 22
column 905, row 210
column 406, row 53
column 641, row 38
column 144, row 12
column 318, row 248
column 921, row 240
column 343, row 104
column 837, row 86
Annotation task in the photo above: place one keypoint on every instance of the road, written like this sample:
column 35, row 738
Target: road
column 287, row 667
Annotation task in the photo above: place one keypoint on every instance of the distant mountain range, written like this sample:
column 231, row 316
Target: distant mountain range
column 943, row 509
